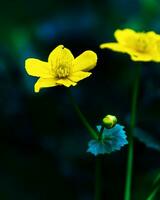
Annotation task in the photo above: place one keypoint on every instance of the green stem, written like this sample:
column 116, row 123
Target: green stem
column 98, row 172
column 130, row 135
column 94, row 135
column 153, row 193
column 91, row 131
column 100, row 133
column 155, row 187
column 98, row 178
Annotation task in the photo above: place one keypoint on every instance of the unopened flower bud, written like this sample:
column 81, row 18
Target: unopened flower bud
column 109, row 121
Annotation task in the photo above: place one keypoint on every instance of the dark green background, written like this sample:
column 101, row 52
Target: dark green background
column 42, row 142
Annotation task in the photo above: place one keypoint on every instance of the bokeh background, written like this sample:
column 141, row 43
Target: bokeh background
column 42, row 142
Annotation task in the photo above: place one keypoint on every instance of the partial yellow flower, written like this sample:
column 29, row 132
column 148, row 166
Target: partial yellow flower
column 141, row 46
column 61, row 69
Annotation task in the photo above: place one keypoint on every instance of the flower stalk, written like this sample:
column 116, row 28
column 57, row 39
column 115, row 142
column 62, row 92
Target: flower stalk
column 94, row 135
column 98, row 178
column 153, row 193
column 83, row 119
column 98, row 172
column 127, row 195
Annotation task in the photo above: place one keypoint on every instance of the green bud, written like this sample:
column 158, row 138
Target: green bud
column 109, row 121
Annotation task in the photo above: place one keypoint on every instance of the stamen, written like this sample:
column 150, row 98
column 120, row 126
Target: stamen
column 62, row 71
column 141, row 45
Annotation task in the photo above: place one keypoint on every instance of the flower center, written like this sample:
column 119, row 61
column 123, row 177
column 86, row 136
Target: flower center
column 141, row 45
column 62, row 71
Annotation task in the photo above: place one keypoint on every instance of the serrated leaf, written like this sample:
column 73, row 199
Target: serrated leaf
column 113, row 139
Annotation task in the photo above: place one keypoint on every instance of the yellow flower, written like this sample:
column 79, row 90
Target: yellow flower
column 61, row 69
column 140, row 46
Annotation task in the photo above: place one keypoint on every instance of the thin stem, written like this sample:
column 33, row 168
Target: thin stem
column 153, row 193
column 157, row 179
column 155, row 188
column 94, row 135
column 100, row 133
column 98, row 178
column 130, row 135
column 98, row 172
column 91, row 131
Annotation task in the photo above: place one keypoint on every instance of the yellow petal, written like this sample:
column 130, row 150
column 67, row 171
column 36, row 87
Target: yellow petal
column 156, row 56
column 85, row 62
column 66, row 82
column 35, row 67
column 44, row 83
column 141, row 57
column 125, row 36
column 60, row 56
column 114, row 46
column 152, row 35
column 53, row 55
column 77, row 76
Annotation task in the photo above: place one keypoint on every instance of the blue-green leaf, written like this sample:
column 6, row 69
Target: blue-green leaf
column 112, row 139
column 147, row 139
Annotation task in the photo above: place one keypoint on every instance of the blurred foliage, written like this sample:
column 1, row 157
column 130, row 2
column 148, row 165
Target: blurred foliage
column 43, row 144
